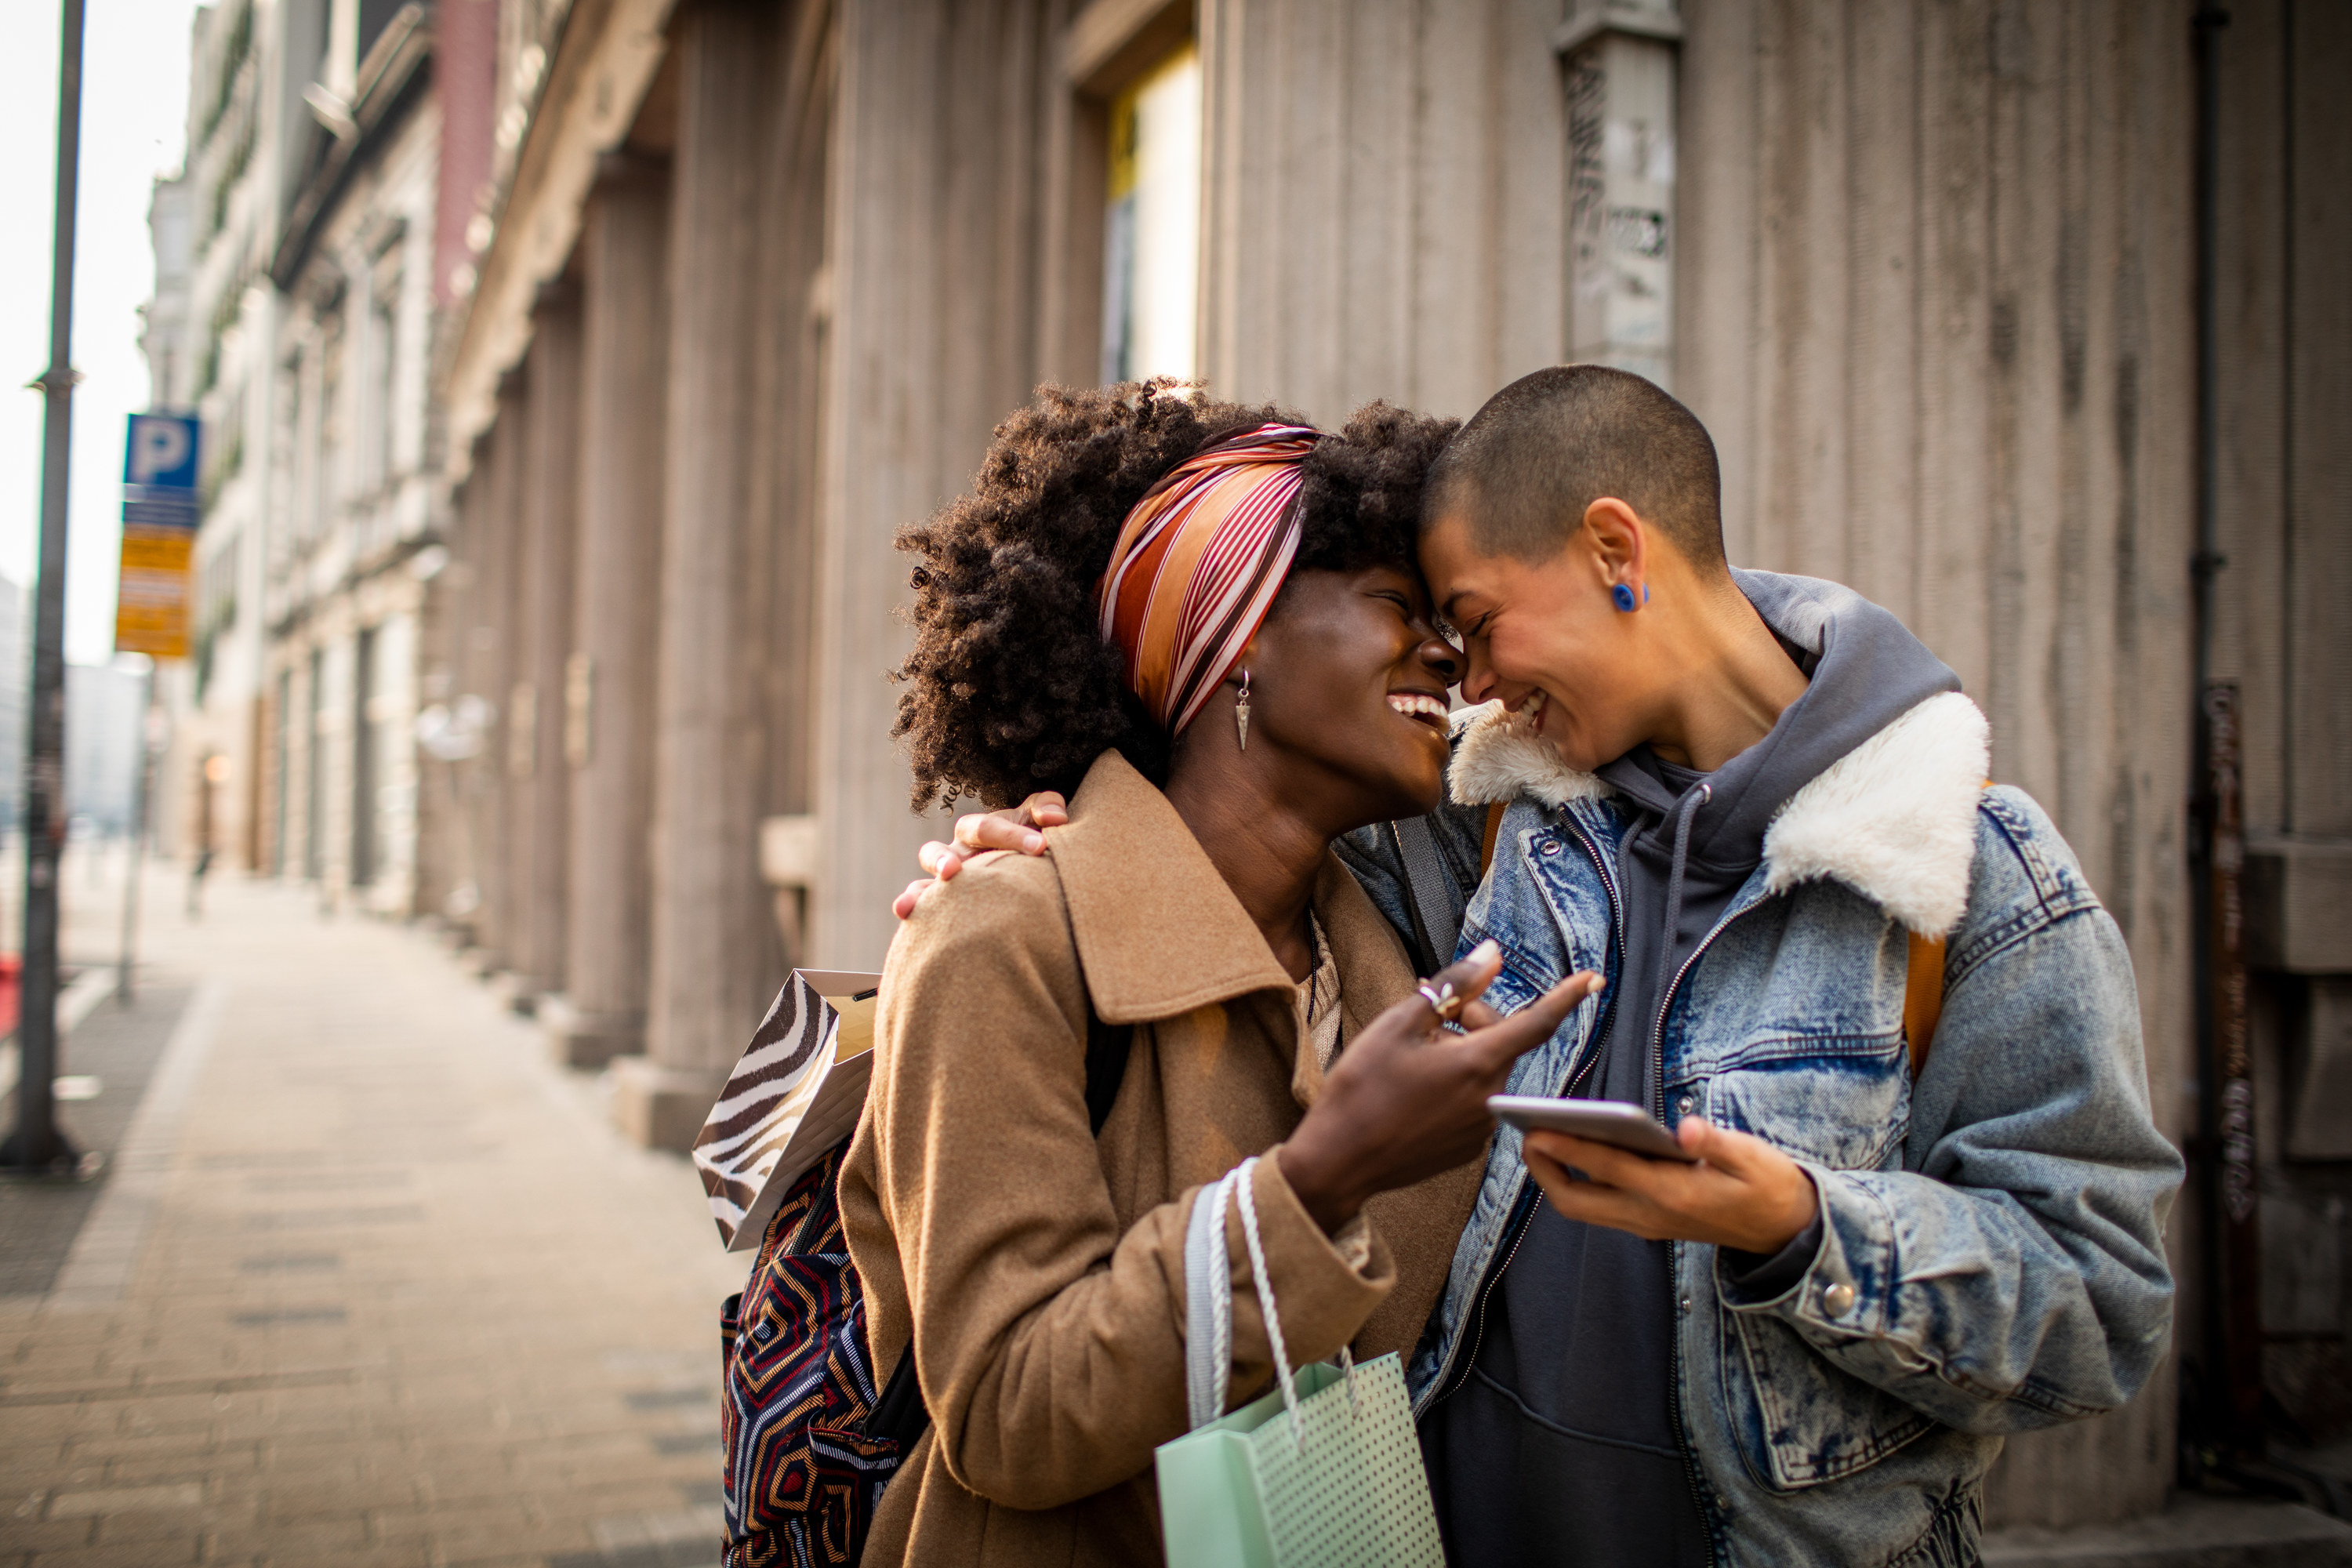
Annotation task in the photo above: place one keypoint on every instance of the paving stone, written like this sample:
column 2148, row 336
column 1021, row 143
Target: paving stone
column 160, row 1555
column 27, row 1531
column 402, row 1297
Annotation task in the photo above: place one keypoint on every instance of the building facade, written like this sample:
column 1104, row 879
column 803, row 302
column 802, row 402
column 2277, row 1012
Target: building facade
column 299, row 305
column 755, row 278
column 350, row 553
column 210, row 345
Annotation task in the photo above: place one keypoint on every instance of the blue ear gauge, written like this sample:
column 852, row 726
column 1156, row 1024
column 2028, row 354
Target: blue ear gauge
column 1622, row 597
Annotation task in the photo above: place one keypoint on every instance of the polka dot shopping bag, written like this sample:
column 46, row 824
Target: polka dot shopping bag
column 1323, row 1472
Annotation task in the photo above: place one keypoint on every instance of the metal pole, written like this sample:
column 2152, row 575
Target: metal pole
column 139, row 791
column 2231, row 1416
column 37, row 1145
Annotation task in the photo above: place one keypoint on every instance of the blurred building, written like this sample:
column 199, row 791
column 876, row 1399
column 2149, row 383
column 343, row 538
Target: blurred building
column 209, row 340
column 296, row 311
column 104, row 713
column 345, row 563
column 166, row 336
column 751, row 280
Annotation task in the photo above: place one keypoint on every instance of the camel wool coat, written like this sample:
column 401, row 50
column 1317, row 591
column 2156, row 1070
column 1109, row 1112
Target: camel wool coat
column 1038, row 1270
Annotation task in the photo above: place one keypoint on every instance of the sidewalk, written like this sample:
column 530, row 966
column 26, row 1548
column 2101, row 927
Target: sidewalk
column 367, row 1282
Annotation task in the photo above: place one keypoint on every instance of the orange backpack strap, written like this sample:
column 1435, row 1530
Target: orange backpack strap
column 1922, row 997
column 1494, row 831
column 1923, row 994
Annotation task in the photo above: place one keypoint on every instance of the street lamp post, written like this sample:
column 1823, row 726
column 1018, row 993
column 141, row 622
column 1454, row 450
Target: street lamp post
column 37, row 1145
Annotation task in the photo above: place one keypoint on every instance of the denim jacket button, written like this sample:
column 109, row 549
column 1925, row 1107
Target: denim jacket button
column 1838, row 1300
column 1684, row 1303
column 1684, row 1104
column 1550, row 847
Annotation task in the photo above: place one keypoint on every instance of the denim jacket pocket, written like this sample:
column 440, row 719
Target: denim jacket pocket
column 1798, row 1420
column 1842, row 1103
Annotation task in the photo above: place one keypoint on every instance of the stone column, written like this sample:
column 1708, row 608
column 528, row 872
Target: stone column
column 712, row 931
column 792, row 335
column 937, row 136
column 535, row 765
column 488, row 674
column 608, row 688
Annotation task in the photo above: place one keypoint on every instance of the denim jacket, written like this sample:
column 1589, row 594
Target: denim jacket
column 1992, row 1254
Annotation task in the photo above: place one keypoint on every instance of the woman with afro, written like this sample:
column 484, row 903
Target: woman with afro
column 1203, row 623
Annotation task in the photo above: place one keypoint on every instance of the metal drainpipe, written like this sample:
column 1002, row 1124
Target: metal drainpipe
column 2229, row 1419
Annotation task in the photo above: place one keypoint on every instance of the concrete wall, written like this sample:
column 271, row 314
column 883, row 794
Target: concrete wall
column 1933, row 293
column 2284, row 493
column 1385, row 215
column 933, row 251
column 1935, row 288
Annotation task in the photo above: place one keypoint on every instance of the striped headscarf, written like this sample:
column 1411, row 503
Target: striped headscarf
column 1198, row 564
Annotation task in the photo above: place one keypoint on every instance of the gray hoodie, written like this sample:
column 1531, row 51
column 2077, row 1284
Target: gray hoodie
column 1559, row 1442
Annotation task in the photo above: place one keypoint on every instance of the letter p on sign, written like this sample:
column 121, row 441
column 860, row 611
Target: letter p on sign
column 163, row 451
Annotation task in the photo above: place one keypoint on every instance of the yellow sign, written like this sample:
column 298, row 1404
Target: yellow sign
column 151, row 607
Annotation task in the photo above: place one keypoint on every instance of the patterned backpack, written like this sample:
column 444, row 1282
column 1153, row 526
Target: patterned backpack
column 810, row 1441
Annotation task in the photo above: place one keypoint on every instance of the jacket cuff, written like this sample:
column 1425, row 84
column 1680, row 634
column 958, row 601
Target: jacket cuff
column 1324, row 1286
column 1846, row 1290
column 1761, row 1276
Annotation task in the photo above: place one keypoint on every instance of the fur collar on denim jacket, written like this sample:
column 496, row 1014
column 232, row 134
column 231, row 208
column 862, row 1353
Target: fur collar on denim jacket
column 1895, row 818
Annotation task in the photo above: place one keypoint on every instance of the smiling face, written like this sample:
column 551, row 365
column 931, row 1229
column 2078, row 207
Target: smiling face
column 1546, row 638
column 1348, row 680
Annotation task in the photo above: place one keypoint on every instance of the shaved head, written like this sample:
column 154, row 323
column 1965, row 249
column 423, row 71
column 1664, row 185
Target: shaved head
column 1521, row 474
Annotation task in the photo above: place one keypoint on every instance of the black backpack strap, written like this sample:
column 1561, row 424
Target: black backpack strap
column 1107, row 1048
column 1432, row 895
column 899, row 1414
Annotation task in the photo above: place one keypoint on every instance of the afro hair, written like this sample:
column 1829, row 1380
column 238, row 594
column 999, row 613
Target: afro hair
column 1011, row 687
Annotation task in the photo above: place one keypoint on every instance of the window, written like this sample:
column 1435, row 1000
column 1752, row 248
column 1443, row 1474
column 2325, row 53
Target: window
column 281, row 770
column 314, row 770
column 1151, row 225
column 376, row 434
column 366, row 752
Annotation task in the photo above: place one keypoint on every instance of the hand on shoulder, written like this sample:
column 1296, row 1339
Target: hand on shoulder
column 1015, row 829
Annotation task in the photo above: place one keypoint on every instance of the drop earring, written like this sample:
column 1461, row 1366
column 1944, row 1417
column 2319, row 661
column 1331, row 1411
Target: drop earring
column 1241, row 711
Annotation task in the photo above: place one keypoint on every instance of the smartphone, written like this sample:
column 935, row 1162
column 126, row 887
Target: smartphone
column 1610, row 1121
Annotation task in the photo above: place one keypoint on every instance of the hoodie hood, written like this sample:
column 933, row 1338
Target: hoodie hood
column 1869, row 778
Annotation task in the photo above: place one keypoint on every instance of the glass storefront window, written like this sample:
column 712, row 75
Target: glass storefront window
column 1151, row 229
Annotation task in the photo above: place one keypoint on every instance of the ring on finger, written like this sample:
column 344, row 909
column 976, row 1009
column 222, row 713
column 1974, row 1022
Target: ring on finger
column 1442, row 999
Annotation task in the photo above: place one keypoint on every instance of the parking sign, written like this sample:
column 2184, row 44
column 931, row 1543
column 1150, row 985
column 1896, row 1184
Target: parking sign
column 158, row 535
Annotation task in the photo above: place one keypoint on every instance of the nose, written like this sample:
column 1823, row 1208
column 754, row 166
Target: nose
column 1439, row 656
column 1478, row 680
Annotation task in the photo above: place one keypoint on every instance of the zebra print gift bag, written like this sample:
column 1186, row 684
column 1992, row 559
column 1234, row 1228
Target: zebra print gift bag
column 795, row 1092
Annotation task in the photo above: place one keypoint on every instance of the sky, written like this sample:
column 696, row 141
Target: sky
column 134, row 125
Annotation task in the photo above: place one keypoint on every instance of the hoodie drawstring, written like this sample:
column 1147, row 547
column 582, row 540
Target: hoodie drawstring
column 1685, row 809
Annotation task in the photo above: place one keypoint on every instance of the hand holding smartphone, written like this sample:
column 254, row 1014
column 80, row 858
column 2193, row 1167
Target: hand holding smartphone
column 1610, row 1121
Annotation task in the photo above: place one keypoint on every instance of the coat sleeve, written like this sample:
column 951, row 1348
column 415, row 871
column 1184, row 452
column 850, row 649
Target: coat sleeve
column 1048, row 1343
column 2013, row 1274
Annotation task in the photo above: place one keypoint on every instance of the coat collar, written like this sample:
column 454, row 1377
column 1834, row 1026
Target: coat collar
column 1158, row 932
column 1893, row 819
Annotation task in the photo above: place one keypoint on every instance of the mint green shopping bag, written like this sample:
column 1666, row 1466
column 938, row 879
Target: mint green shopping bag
column 1322, row 1472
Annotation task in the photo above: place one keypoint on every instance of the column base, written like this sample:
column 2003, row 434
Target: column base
column 658, row 1107
column 2194, row 1532
column 588, row 1040
column 518, row 993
